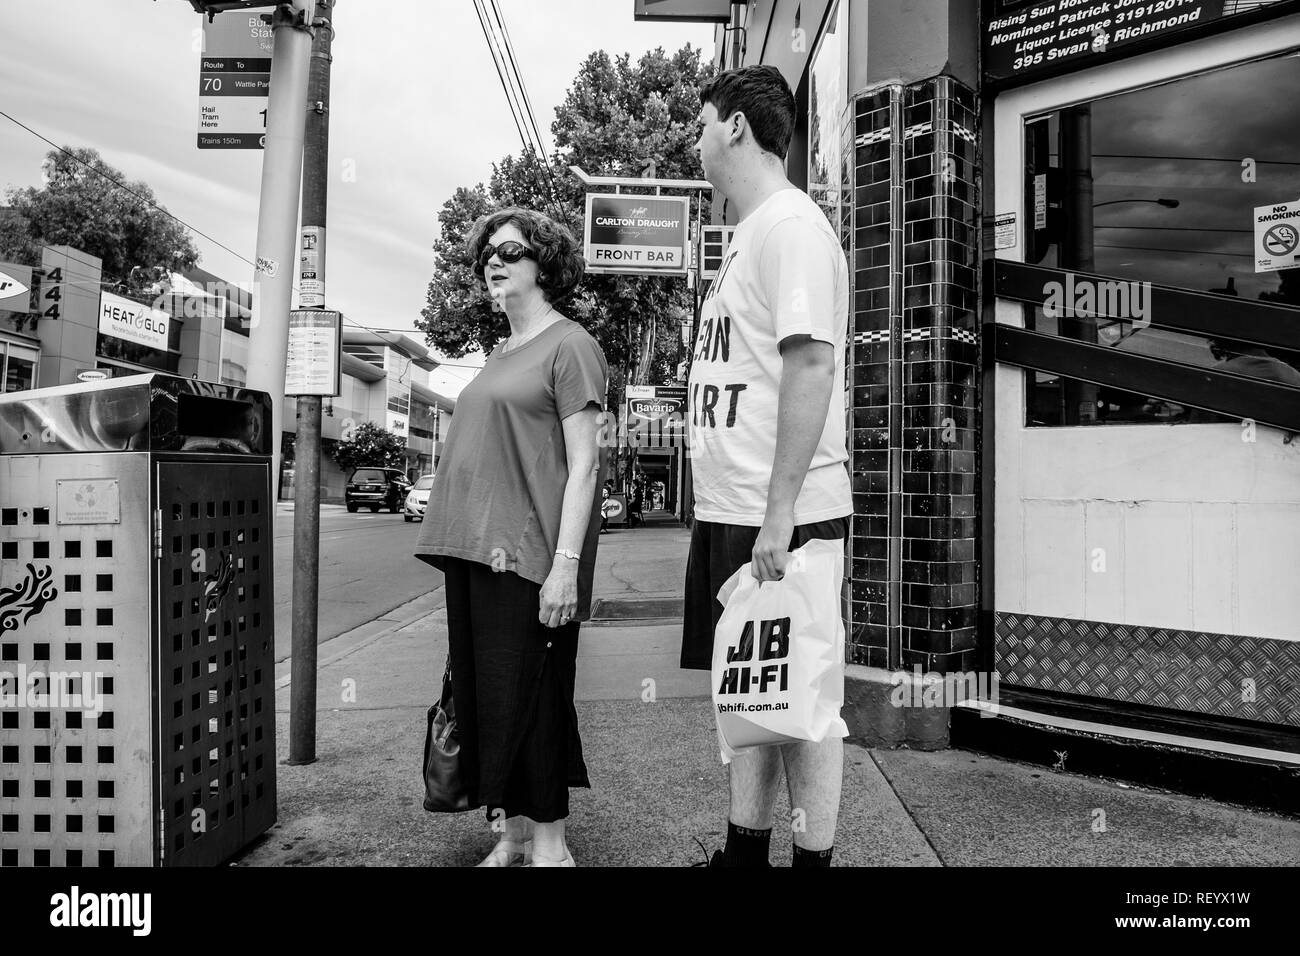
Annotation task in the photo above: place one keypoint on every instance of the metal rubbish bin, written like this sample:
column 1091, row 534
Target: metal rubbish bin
column 137, row 709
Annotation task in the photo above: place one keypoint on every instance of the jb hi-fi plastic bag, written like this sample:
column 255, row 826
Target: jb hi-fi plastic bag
column 778, row 653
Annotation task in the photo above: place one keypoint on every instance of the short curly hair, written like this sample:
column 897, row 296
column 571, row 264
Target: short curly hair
column 560, row 265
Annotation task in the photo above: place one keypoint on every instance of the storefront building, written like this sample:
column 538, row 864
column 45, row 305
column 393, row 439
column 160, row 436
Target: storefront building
column 1075, row 365
column 67, row 320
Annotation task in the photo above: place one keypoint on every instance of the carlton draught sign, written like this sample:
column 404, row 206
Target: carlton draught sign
column 637, row 235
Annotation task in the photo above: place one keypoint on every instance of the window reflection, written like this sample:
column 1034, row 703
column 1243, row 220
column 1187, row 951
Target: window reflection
column 17, row 368
column 111, row 347
column 1160, row 185
column 828, row 89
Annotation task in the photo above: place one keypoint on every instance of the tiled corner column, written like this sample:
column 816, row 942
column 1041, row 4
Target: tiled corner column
column 914, row 377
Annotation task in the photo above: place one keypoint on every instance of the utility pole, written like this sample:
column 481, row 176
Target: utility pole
column 277, row 240
column 307, row 444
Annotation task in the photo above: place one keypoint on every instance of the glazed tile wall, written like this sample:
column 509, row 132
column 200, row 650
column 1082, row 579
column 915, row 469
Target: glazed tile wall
column 914, row 362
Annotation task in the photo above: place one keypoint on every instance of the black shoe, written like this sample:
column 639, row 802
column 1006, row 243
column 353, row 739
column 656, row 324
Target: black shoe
column 716, row 860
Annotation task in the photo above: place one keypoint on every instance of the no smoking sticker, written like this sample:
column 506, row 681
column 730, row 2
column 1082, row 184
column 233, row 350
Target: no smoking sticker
column 1277, row 237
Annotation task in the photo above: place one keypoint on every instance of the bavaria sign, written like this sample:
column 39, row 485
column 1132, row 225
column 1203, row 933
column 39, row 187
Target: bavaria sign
column 655, row 417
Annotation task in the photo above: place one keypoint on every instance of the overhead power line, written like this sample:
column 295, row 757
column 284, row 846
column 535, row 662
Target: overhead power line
column 517, row 111
column 123, row 186
column 527, row 102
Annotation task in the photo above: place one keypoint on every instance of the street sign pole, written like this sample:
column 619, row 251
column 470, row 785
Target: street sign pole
column 268, row 339
column 307, row 445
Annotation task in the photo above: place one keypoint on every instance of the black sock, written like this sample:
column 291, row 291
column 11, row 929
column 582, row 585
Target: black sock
column 804, row 857
column 746, row 847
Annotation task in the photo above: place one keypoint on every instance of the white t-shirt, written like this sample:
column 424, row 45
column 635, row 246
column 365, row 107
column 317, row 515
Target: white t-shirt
column 784, row 274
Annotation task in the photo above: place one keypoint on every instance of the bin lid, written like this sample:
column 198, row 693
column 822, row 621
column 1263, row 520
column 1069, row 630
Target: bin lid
column 150, row 412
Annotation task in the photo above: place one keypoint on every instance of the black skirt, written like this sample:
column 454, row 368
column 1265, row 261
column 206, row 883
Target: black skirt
column 512, row 681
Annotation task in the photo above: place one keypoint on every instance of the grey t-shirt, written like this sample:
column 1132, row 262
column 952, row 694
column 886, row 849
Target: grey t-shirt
column 499, row 488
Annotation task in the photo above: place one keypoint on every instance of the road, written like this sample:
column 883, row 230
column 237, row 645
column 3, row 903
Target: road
column 366, row 570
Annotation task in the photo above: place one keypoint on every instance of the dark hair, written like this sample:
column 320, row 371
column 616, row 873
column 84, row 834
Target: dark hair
column 559, row 263
column 763, row 95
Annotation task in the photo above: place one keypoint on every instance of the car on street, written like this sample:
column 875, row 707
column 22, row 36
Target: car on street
column 375, row 488
column 417, row 499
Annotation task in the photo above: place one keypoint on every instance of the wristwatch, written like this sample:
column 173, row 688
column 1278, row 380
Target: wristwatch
column 566, row 553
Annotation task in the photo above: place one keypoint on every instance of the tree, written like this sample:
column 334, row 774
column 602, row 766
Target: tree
column 615, row 118
column 79, row 207
column 371, row 446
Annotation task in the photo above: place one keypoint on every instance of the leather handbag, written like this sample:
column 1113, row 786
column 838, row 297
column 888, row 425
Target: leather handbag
column 444, row 788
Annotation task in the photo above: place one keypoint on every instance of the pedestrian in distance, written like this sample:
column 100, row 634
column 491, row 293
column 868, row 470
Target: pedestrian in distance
column 512, row 522
column 767, row 424
column 605, row 507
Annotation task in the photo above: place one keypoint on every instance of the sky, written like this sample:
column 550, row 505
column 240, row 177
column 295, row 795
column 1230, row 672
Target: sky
column 417, row 110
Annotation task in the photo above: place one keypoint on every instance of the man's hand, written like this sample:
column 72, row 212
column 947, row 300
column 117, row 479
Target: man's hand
column 772, row 548
column 559, row 597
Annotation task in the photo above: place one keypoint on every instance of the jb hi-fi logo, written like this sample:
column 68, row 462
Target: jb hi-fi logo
column 758, row 675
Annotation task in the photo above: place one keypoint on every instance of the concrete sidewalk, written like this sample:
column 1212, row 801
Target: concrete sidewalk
column 658, row 784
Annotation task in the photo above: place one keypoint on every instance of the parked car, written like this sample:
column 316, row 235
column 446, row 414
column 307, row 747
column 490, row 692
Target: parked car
column 417, row 499
column 376, row 488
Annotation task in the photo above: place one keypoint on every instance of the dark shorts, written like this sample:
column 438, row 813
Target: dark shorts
column 717, row 551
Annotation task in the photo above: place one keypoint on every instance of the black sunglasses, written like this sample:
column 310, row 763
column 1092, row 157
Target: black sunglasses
column 508, row 251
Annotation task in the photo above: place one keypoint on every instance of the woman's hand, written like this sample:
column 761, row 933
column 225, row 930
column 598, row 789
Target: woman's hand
column 559, row 597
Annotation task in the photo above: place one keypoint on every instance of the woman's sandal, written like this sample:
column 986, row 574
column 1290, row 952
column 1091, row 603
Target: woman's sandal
column 509, row 853
column 567, row 861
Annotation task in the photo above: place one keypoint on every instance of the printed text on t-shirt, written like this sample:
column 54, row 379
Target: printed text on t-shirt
column 714, row 345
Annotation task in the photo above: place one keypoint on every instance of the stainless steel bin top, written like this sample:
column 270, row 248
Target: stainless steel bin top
column 150, row 412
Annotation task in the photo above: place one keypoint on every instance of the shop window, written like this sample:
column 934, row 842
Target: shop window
column 111, row 347
column 17, row 368
column 827, row 95
column 1160, row 185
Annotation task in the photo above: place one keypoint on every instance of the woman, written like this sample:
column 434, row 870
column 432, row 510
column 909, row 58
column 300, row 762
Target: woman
column 512, row 521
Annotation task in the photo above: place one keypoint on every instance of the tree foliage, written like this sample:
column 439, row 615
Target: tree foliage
column 79, row 207
column 616, row 117
column 371, row 446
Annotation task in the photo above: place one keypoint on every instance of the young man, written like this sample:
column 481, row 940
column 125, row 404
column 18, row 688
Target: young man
column 767, row 432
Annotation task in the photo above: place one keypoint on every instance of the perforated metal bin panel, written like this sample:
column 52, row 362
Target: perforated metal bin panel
column 169, row 610
column 76, row 789
column 215, row 676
